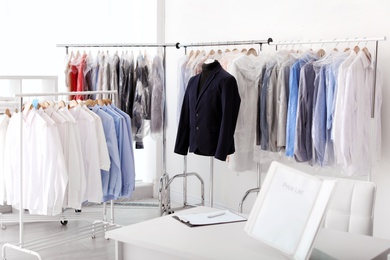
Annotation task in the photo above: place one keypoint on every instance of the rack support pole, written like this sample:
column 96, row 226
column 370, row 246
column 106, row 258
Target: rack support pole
column 211, row 181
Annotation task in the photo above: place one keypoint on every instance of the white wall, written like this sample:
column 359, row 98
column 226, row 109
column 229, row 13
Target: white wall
column 30, row 30
column 221, row 20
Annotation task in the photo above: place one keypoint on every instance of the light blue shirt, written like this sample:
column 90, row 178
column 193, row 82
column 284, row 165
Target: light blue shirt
column 111, row 181
column 292, row 105
column 320, row 116
column 127, row 190
column 124, row 147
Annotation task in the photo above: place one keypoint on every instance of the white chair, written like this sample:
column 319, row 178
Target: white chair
column 351, row 208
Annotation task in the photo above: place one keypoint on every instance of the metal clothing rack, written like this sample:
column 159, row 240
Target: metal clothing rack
column 346, row 40
column 163, row 197
column 53, row 241
column 227, row 43
column 165, row 181
column 337, row 41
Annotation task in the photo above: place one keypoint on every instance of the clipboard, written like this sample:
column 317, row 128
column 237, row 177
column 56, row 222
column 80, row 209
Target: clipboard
column 210, row 218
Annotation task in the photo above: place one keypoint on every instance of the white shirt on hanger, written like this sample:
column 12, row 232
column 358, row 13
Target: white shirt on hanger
column 46, row 176
column 4, row 121
column 339, row 103
column 90, row 151
column 356, row 143
column 104, row 156
column 77, row 182
column 12, row 160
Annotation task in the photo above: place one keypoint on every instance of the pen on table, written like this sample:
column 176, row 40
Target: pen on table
column 216, row 214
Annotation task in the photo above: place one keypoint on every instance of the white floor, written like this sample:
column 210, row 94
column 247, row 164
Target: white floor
column 85, row 248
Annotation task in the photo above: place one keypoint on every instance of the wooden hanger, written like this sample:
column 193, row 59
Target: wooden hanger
column 212, row 52
column 244, row 50
column 61, row 104
column 356, row 49
column 251, row 51
column 44, row 104
column 26, row 108
column 367, row 53
column 73, row 103
column 191, row 53
column 8, row 113
column 89, row 102
column 101, row 102
column 321, row 53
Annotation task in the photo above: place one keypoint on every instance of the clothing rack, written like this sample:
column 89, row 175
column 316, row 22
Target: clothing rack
column 185, row 174
column 45, row 242
column 164, row 177
column 346, row 40
column 337, row 41
column 117, row 45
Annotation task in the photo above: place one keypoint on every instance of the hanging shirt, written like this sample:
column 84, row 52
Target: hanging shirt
column 181, row 84
column 124, row 66
column 90, row 150
column 53, row 176
column 114, row 75
column 12, row 160
column 88, row 75
column 355, row 128
column 263, row 105
column 141, row 105
column 101, row 73
column 4, row 121
column 304, row 116
column 94, row 75
column 81, row 77
column 127, row 159
column 292, row 103
column 331, row 87
column 111, row 180
column 272, row 99
column 319, row 128
column 246, row 71
column 73, row 76
column 124, row 152
column 75, row 164
column 157, row 99
column 339, row 103
column 282, row 96
column 104, row 157
column 106, row 73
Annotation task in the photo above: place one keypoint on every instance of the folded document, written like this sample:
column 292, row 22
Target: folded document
column 210, row 218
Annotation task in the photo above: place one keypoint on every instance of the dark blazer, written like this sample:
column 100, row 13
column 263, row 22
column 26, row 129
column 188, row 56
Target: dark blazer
column 208, row 120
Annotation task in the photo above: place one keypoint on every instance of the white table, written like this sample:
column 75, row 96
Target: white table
column 166, row 238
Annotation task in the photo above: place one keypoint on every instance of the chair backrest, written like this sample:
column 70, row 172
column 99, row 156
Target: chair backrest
column 351, row 208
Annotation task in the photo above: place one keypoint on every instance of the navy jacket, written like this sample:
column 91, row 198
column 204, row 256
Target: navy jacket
column 208, row 120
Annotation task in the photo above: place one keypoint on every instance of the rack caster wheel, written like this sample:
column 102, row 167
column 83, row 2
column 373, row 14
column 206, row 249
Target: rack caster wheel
column 64, row 222
column 77, row 210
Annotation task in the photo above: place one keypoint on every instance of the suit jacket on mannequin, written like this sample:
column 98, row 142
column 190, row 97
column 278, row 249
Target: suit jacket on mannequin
column 208, row 118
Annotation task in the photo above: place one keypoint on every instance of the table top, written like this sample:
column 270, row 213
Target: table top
column 229, row 241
